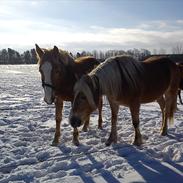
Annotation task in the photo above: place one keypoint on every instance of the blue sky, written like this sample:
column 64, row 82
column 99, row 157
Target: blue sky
column 77, row 25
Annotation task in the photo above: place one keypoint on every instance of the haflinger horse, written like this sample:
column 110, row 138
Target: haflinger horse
column 125, row 81
column 59, row 72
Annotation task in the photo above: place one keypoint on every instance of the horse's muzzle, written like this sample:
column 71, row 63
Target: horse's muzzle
column 50, row 101
column 75, row 122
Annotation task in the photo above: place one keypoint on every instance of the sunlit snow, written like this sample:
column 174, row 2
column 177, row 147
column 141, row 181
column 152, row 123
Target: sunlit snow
column 27, row 128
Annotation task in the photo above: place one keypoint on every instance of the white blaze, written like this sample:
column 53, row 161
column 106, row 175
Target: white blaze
column 46, row 69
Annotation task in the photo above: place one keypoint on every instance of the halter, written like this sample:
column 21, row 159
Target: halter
column 48, row 85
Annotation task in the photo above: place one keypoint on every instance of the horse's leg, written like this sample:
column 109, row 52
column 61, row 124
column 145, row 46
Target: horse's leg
column 58, row 118
column 171, row 99
column 170, row 107
column 164, row 123
column 100, row 113
column 161, row 102
column 113, row 135
column 75, row 137
column 134, row 109
column 179, row 94
column 86, row 124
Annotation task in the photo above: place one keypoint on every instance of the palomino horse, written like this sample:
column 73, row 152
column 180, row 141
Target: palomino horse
column 59, row 72
column 127, row 82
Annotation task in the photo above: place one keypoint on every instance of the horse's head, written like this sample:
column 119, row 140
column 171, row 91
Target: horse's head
column 52, row 66
column 84, row 102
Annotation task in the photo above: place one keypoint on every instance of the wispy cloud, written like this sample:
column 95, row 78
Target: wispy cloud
column 27, row 33
column 179, row 22
column 17, row 31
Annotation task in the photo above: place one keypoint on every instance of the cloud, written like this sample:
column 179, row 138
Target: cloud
column 25, row 33
column 179, row 22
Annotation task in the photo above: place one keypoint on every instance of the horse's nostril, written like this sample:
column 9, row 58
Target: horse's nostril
column 75, row 122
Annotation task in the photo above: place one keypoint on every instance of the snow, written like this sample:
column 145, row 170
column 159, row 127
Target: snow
column 27, row 129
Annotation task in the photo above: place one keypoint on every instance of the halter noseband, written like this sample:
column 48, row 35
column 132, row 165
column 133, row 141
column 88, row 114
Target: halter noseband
column 48, row 85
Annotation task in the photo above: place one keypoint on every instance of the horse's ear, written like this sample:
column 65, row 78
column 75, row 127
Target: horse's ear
column 56, row 51
column 39, row 51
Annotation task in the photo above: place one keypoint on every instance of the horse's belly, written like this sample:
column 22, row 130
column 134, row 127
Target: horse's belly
column 152, row 96
column 149, row 99
column 146, row 96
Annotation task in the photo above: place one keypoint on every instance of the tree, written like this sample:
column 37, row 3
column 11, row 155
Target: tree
column 27, row 57
column 33, row 56
column 13, row 57
column 177, row 49
column 4, row 56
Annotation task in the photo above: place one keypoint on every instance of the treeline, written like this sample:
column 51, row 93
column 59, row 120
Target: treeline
column 102, row 55
column 10, row 56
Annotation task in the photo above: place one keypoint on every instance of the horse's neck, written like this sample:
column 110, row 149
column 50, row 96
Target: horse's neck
column 77, row 69
column 70, row 73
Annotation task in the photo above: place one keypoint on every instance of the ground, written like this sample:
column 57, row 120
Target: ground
column 27, row 128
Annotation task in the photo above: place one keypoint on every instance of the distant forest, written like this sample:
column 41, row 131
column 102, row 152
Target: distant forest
column 10, row 56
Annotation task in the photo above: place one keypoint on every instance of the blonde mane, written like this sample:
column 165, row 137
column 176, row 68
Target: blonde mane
column 112, row 75
column 82, row 86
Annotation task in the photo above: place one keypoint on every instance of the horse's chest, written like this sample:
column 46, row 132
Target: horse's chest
column 66, row 93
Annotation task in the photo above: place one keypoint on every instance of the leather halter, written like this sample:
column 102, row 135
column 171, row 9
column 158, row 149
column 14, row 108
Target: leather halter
column 48, row 85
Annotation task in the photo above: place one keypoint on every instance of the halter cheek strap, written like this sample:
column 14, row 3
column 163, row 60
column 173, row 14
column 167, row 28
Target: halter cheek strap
column 48, row 85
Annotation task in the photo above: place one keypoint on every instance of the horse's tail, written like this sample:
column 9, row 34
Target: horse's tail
column 172, row 92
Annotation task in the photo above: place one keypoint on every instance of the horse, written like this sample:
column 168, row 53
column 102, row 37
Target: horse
column 125, row 81
column 59, row 72
column 181, row 82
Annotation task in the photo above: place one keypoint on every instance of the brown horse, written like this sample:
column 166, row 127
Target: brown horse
column 59, row 72
column 181, row 82
column 127, row 82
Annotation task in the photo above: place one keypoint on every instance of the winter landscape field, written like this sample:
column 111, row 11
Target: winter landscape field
column 27, row 128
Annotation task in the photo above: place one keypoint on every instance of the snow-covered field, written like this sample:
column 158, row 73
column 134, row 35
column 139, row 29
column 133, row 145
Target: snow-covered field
column 27, row 129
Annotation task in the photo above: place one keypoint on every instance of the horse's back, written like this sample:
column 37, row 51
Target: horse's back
column 87, row 59
column 161, row 75
column 84, row 65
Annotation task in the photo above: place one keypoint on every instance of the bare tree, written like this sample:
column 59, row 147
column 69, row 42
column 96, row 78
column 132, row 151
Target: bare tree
column 178, row 48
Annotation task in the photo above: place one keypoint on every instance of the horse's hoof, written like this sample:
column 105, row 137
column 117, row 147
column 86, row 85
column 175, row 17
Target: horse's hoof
column 164, row 133
column 137, row 142
column 76, row 143
column 108, row 143
column 111, row 139
column 54, row 143
column 85, row 129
